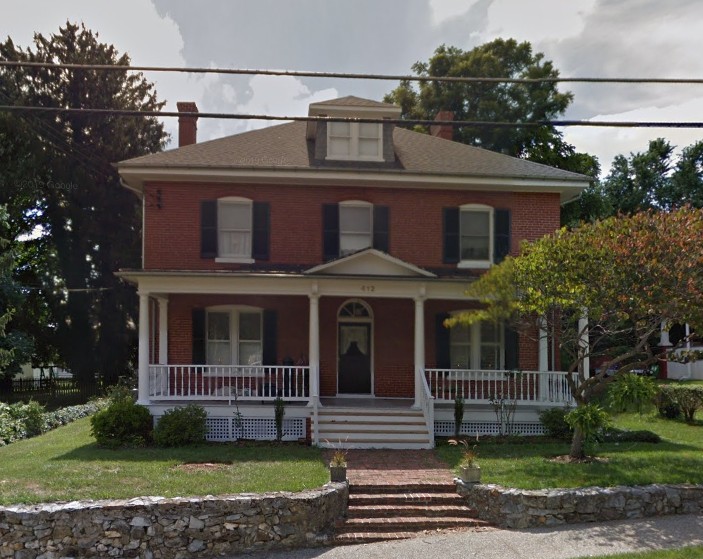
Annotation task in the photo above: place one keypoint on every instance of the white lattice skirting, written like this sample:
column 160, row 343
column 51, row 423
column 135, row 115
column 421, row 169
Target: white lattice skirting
column 446, row 428
column 260, row 429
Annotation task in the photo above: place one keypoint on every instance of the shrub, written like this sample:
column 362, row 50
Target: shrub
column 181, row 426
column 554, row 422
column 458, row 415
column 122, row 423
column 64, row 416
column 279, row 410
column 666, row 406
column 689, row 399
column 33, row 417
column 631, row 392
column 11, row 426
column 591, row 419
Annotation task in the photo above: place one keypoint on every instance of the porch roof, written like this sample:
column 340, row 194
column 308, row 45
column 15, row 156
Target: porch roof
column 224, row 282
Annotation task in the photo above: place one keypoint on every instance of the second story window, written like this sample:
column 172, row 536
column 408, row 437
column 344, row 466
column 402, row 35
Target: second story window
column 475, row 236
column 359, row 141
column 234, row 230
column 353, row 225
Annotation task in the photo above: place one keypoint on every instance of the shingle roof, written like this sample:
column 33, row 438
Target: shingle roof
column 352, row 101
column 285, row 147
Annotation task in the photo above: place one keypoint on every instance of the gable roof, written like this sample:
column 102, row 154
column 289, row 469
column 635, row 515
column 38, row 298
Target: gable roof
column 353, row 101
column 271, row 152
column 370, row 262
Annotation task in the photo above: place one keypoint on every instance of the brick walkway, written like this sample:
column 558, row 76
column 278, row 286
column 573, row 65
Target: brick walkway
column 396, row 467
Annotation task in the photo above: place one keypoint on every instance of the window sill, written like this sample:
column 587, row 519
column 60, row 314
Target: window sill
column 474, row 264
column 233, row 260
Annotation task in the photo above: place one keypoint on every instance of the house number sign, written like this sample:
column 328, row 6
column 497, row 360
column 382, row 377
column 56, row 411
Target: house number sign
column 368, row 288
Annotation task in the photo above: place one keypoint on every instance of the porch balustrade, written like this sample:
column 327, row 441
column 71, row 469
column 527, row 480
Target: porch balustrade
column 483, row 386
column 228, row 382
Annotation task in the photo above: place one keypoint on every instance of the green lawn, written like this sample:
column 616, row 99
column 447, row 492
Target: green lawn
column 65, row 464
column 695, row 552
column 678, row 459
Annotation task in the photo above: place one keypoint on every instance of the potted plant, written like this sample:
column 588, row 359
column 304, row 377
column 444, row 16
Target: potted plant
column 338, row 466
column 470, row 471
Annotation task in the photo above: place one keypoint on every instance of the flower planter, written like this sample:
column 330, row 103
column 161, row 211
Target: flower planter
column 470, row 474
column 338, row 473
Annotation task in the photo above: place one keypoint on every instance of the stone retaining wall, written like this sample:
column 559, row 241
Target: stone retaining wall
column 519, row 508
column 159, row 528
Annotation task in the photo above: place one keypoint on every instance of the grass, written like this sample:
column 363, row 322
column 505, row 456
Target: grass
column 693, row 552
column 526, row 465
column 66, row 464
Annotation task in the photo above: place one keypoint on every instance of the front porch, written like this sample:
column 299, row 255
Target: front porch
column 356, row 422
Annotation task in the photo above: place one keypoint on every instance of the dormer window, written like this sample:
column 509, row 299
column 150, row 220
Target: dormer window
column 356, row 141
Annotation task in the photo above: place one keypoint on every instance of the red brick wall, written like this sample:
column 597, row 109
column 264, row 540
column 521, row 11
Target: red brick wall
column 172, row 238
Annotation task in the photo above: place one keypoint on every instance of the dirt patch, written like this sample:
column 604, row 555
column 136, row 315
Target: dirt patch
column 202, row 466
column 566, row 459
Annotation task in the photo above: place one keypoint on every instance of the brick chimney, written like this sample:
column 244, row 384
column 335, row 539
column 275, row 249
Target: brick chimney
column 445, row 131
column 187, row 125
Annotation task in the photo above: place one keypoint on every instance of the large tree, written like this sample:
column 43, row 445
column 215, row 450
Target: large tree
column 628, row 275
column 89, row 225
column 496, row 102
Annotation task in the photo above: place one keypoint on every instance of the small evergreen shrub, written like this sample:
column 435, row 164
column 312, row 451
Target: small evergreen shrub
column 33, row 417
column 689, row 399
column 122, row 423
column 458, row 415
column 554, row 422
column 181, row 426
column 667, row 407
column 12, row 426
column 631, row 392
column 279, row 410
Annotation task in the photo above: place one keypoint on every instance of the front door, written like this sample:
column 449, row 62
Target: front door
column 354, row 358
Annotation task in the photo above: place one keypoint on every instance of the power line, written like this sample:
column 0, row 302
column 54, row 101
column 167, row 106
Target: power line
column 424, row 122
column 346, row 75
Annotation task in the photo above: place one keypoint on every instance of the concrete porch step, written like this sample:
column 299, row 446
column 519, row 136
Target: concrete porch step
column 408, row 523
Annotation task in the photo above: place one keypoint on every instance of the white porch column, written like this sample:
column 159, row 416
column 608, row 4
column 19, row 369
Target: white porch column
column 314, row 349
column 419, row 347
column 584, row 344
column 143, row 362
column 163, row 331
column 543, row 362
column 664, row 340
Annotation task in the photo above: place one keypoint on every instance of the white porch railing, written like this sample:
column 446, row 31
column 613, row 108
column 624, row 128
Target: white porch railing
column 482, row 386
column 228, row 382
column 426, row 401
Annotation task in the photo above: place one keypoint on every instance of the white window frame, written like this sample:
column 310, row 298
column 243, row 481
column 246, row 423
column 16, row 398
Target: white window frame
column 353, row 138
column 355, row 204
column 235, row 258
column 475, row 344
column 234, row 312
column 477, row 263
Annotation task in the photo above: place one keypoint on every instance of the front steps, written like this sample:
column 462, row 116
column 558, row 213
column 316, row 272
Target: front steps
column 392, row 512
column 372, row 428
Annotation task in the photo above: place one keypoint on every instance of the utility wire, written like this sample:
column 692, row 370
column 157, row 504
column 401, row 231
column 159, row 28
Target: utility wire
column 345, row 75
column 424, row 122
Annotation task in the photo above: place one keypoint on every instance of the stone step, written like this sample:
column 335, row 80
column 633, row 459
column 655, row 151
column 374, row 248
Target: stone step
column 357, row 538
column 416, row 511
column 408, row 489
column 407, row 524
column 405, row 499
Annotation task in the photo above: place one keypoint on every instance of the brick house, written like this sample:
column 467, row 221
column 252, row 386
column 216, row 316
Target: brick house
column 317, row 261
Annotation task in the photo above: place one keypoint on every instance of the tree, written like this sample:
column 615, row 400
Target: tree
column 90, row 225
column 493, row 102
column 627, row 274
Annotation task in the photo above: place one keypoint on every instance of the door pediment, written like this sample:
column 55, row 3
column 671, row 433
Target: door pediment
column 370, row 262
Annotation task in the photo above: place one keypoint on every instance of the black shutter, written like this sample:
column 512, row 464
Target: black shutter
column 198, row 325
column 512, row 349
column 501, row 235
column 270, row 331
column 261, row 231
column 208, row 229
column 450, row 225
column 442, row 342
column 381, row 228
column 330, row 231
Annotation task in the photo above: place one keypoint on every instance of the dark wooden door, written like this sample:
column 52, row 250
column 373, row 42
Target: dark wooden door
column 354, row 359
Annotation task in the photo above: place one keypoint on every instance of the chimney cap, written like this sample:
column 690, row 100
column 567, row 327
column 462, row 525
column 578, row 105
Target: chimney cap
column 187, row 107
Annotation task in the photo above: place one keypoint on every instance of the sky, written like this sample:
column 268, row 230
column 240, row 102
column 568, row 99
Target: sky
column 584, row 38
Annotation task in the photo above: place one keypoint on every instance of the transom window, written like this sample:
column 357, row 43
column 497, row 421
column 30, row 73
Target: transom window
column 234, row 337
column 475, row 235
column 355, row 227
column 355, row 140
column 354, row 309
column 479, row 346
column 234, row 227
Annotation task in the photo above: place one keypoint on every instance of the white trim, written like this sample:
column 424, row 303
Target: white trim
column 229, row 260
column 478, row 264
column 235, row 201
column 330, row 266
column 234, row 283
column 354, row 138
column 234, row 312
column 136, row 176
